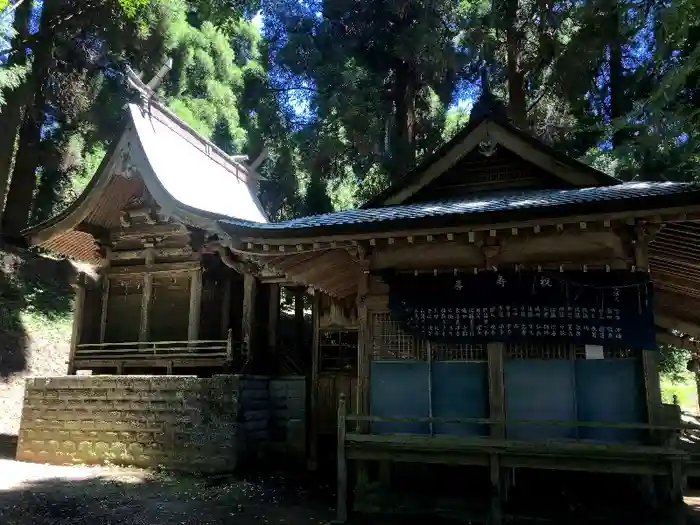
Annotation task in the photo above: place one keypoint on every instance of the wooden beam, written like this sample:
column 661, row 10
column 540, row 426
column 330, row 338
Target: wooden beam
column 679, row 342
column 122, row 271
column 248, row 317
column 195, row 305
column 671, row 323
column 132, row 255
column 273, row 315
column 78, row 311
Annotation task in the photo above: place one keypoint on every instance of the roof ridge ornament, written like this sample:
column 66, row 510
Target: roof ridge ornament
column 147, row 90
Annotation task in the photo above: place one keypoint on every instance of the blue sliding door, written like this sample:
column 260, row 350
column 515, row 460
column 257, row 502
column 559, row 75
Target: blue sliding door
column 399, row 389
column 539, row 389
column 610, row 390
column 460, row 391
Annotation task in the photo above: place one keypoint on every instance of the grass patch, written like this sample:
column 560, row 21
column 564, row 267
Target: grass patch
column 686, row 391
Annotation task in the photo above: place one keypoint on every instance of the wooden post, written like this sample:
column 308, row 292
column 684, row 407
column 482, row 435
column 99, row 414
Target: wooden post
column 652, row 388
column 229, row 345
column 195, row 305
column 342, row 515
column 273, row 316
column 226, row 306
column 496, row 494
column 78, row 311
column 248, row 317
column 313, row 391
column 364, row 344
column 650, row 358
column 299, row 320
column 496, row 390
column 144, row 329
column 105, row 304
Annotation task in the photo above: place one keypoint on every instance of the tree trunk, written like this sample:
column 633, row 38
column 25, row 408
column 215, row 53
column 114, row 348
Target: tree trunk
column 617, row 91
column 11, row 114
column 19, row 196
column 516, row 78
column 403, row 151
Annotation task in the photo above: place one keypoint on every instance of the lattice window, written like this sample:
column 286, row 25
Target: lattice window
column 458, row 352
column 338, row 350
column 561, row 351
column 390, row 343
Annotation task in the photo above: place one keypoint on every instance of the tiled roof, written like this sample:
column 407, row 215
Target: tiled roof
column 485, row 203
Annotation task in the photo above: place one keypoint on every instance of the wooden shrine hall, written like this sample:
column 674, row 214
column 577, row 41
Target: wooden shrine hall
column 499, row 308
column 168, row 298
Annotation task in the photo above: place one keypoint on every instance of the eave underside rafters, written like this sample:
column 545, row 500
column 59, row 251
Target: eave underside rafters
column 332, row 264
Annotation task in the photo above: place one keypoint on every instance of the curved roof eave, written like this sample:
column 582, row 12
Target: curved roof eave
column 190, row 184
column 188, row 177
column 76, row 212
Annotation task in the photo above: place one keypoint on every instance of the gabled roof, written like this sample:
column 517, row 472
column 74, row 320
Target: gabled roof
column 494, row 127
column 190, row 179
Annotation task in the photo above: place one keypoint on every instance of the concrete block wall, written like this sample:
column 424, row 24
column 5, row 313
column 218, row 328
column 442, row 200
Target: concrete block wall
column 288, row 415
column 181, row 422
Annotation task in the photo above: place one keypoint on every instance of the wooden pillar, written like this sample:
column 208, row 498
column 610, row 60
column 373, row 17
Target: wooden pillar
column 78, row 311
column 226, row 306
column 195, row 305
column 313, row 391
column 104, row 282
column 652, row 385
column 105, row 293
column 650, row 358
column 496, row 390
column 299, row 320
column 248, row 317
column 496, row 490
column 144, row 328
column 273, row 316
column 362, row 406
column 364, row 344
column 342, row 467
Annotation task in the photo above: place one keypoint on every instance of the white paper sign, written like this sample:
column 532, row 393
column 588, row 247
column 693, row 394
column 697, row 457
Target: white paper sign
column 594, row 352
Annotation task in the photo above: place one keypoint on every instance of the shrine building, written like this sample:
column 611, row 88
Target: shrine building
column 498, row 308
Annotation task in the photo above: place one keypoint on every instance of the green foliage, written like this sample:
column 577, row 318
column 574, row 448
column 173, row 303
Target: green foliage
column 674, row 363
column 10, row 78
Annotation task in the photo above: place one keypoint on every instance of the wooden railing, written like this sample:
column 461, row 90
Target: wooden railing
column 663, row 439
column 212, row 349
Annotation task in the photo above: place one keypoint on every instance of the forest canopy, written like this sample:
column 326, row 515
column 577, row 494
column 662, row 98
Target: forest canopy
column 344, row 95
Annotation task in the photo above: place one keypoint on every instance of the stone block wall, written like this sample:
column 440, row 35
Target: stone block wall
column 181, row 422
column 288, row 415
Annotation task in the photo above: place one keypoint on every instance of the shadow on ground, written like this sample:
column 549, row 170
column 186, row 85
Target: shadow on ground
column 35, row 285
column 135, row 498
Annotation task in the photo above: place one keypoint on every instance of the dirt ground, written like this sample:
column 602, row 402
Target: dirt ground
column 33, row 494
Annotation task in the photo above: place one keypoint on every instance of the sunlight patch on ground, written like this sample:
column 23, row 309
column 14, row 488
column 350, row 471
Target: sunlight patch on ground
column 16, row 474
